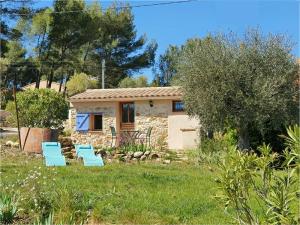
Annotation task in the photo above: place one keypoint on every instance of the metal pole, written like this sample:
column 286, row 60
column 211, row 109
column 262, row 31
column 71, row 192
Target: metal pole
column 103, row 73
column 17, row 111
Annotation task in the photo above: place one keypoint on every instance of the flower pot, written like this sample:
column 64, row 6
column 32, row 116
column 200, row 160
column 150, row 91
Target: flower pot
column 32, row 138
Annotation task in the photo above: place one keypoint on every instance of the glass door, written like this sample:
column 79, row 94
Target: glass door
column 127, row 116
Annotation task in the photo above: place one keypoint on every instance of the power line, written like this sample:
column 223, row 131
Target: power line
column 118, row 7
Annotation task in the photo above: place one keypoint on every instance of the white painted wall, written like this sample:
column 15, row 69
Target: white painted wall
column 183, row 132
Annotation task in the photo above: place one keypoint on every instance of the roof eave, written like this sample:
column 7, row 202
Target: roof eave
column 125, row 99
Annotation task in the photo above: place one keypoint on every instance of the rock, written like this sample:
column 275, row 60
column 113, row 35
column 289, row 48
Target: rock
column 134, row 160
column 103, row 153
column 158, row 159
column 130, row 153
column 167, row 161
column 9, row 143
column 147, row 153
column 15, row 144
column 66, row 149
column 127, row 158
column 137, row 154
column 143, row 157
column 66, row 142
column 38, row 156
column 154, row 156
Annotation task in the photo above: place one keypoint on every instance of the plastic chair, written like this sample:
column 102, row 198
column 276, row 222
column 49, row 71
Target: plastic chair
column 86, row 152
column 52, row 154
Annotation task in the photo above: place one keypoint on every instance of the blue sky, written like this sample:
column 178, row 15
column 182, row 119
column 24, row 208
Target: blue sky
column 174, row 24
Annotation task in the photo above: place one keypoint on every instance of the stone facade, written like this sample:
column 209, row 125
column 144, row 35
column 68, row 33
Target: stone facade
column 96, row 138
column 155, row 117
column 145, row 117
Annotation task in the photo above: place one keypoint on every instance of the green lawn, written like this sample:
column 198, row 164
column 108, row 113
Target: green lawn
column 145, row 193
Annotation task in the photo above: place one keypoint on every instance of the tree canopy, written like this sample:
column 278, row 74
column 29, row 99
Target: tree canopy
column 79, row 83
column 240, row 82
column 130, row 82
column 62, row 43
column 39, row 108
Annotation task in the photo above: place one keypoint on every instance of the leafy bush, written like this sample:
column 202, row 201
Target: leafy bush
column 213, row 150
column 8, row 208
column 132, row 148
column 39, row 108
column 130, row 82
column 79, row 83
column 246, row 177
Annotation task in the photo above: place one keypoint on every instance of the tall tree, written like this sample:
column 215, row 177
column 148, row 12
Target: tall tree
column 166, row 67
column 117, row 43
column 130, row 82
column 241, row 82
column 38, row 34
column 10, row 11
column 67, row 34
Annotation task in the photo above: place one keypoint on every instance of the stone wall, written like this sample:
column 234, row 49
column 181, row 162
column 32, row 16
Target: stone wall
column 155, row 117
column 145, row 117
column 96, row 138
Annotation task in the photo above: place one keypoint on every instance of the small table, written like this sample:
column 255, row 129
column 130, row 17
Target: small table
column 128, row 136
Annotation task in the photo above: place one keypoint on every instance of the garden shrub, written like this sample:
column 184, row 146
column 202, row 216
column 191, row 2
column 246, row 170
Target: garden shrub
column 213, row 150
column 247, row 177
column 8, row 208
column 43, row 108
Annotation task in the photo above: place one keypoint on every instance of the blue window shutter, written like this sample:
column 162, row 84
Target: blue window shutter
column 82, row 121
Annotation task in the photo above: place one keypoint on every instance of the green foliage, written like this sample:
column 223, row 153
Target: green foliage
column 8, row 208
column 62, row 43
column 167, row 65
column 246, row 177
column 117, row 193
column 130, row 82
column 213, row 150
column 50, row 221
column 39, row 108
column 132, row 148
column 79, row 83
column 240, row 82
column 292, row 151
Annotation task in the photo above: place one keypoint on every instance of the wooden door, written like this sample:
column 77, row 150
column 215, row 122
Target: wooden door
column 127, row 116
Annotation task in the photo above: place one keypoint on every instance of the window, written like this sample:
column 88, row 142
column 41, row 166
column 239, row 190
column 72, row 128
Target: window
column 178, row 106
column 128, row 112
column 89, row 122
column 97, row 122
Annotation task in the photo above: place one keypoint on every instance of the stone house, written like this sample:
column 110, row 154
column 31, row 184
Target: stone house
column 95, row 110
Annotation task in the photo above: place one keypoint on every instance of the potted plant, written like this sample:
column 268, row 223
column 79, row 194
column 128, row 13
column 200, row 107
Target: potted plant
column 41, row 113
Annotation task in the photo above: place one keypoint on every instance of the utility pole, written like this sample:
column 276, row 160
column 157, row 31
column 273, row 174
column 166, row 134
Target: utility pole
column 103, row 73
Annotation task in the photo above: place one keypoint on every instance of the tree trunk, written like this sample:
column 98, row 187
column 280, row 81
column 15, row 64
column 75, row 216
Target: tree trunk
column 243, row 142
column 50, row 78
column 65, row 87
column 61, row 83
column 38, row 80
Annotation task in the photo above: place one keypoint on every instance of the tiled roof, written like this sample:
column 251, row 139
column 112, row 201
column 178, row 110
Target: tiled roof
column 128, row 93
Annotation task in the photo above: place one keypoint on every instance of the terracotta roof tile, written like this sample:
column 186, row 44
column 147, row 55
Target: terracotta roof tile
column 128, row 93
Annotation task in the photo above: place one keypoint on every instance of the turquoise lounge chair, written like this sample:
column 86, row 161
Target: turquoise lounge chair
column 52, row 154
column 86, row 152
